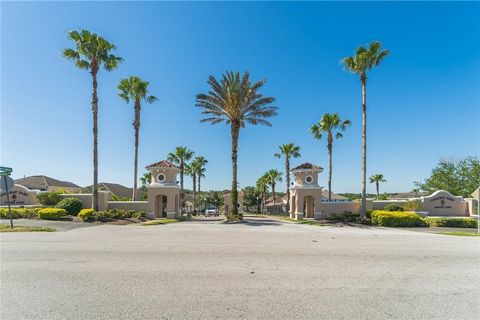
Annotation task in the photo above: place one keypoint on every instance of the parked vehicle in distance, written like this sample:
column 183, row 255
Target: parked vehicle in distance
column 211, row 212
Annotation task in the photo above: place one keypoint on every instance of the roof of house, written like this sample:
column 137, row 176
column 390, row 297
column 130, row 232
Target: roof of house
column 307, row 166
column 407, row 195
column 162, row 164
column 334, row 195
column 41, row 182
column 278, row 200
column 114, row 188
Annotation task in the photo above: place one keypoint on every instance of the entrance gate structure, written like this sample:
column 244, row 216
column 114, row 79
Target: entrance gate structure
column 163, row 190
column 305, row 194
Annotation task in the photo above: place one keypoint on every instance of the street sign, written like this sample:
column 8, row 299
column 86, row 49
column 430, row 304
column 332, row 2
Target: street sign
column 4, row 187
column 6, row 169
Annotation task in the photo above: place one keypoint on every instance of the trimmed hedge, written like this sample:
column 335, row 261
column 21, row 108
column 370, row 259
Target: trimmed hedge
column 19, row 213
column 51, row 213
column 107, row 215
column 397, row 219
column 393, row 207
column 344, row 217
column 49, row 198
column 451, row 222
column 85, row 214
column 71, row 205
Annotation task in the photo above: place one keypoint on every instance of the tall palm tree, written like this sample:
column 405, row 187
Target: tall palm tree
column 329, row 124
column 365, row 59
column 200, row 163
column 91, row 53
column 288, row 151
column 274, row 176
column 236, row 101
column 191, row 170
column 262, row 186
column 180, row 156
column 377, row 178
column 135, row 89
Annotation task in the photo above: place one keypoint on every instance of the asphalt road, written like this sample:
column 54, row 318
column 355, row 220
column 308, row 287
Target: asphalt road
column 260, row 270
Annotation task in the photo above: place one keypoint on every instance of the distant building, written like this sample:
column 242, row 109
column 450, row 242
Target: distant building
column 335, row 197
column 115, row 189
column 407, row 195
column 44, row 183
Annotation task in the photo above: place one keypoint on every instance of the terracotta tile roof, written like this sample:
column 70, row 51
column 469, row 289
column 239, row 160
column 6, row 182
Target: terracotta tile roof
column 44, row 183
column 162, row 164
column 306, row 166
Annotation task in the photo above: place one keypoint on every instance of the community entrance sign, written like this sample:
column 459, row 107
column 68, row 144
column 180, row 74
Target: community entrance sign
column 443, row 203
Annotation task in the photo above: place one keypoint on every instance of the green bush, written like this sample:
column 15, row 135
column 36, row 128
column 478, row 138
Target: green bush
column 86, row 214
column 49, row 198
column 19, row 213
column 344, row 217
column 107, row 215
column 393, row 207
column 397, row 219
column 71, row 205
column 451, row 222
column 51, row 213
column 413, row 205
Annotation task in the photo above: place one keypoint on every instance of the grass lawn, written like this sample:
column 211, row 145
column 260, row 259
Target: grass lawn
column 159, row 221
column 6, row 228
column 461, row 233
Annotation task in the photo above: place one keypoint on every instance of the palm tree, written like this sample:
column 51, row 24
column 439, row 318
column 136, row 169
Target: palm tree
column 191, row 170
column 377, row 178
column 274, row 176
column 236, row 101
column 91, row 53
column 180, row 156
column 262, row 186
column 135, row 89
column 329, row 124
column 288, row 151
column 146, row 178
column 365, row 59
column 200, row 163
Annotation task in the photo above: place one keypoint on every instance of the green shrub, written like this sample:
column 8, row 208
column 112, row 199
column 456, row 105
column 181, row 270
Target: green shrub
column 86, row 214
column 51, row 213
column 111, row 214
column 393, row 207
column 344, row 217
column 397, row 219
column 19, row 213
column 71, row 205
column 413, row 205
column 49, row 198
column 451, row 222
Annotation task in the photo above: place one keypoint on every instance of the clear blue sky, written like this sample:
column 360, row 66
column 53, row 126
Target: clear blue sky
column 423, row 101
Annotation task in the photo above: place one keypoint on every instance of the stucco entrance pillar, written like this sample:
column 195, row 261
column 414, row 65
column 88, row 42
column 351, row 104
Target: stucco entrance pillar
column 305, row 194
column 163, row 191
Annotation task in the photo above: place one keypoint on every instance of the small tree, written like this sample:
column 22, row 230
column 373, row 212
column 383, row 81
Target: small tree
column 377, row 178
column 274, row 176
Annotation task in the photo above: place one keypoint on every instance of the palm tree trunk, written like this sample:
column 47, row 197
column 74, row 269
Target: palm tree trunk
column 95, row 136
column 136, row 126
column 378, row 189
column 235, row 129
column 194, row 194
column 198, row 188
column 363, row 208
column 274, row 202
column 182, row 195
column 330, row 146
column 287, row 178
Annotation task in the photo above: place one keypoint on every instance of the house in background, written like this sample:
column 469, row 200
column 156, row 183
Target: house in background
column 44, row 183
column 116, row 190
column 335, row 197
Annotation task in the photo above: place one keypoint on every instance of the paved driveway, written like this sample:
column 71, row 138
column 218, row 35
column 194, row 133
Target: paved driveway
column 260, row 270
